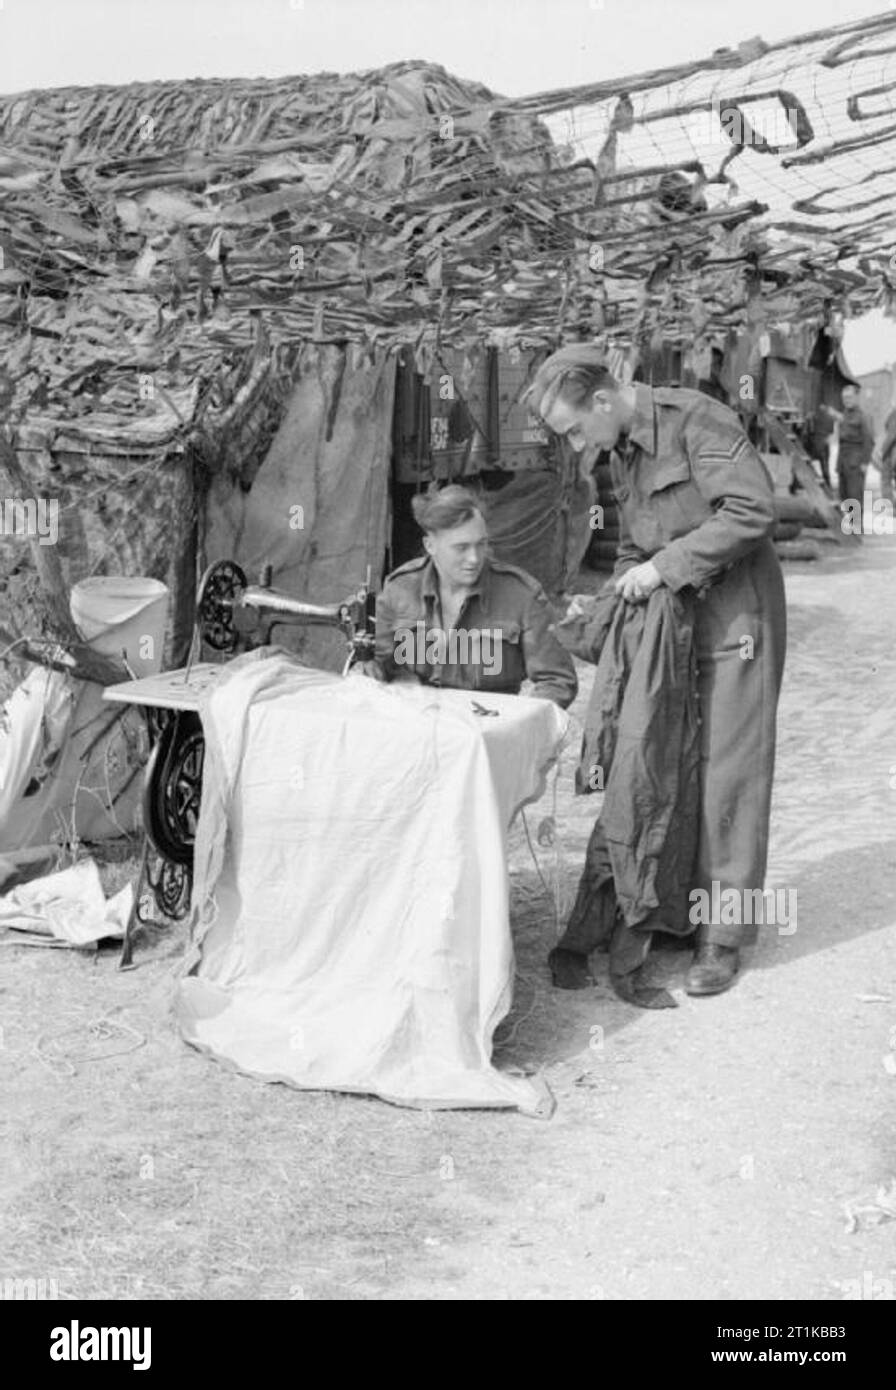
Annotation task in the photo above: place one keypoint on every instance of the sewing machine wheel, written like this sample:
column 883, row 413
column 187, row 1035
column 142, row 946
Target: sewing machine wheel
column 221, row 584
column 173, row 788
column 169, row 887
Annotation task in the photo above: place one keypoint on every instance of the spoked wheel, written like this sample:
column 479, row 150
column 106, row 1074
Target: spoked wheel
column 169, row 888
column 221, row 584
column 173, row 788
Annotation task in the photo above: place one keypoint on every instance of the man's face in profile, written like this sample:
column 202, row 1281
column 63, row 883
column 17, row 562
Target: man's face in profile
column 459, row 553
column 596, row 427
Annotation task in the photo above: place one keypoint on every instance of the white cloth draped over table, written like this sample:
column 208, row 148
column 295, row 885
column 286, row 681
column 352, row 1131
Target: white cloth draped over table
column 351, row 923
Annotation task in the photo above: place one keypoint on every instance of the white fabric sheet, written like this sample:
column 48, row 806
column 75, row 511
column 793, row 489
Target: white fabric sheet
column 350, row 902
column 66, row 908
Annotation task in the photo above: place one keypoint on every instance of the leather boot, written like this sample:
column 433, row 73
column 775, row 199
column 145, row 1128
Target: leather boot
column 713, row 969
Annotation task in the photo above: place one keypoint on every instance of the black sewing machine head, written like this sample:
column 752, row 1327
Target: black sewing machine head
column 233, row 615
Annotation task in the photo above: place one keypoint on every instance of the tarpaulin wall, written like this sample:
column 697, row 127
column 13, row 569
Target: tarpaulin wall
column 317, row 509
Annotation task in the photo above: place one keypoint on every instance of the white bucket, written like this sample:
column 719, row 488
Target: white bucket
column 116, row 614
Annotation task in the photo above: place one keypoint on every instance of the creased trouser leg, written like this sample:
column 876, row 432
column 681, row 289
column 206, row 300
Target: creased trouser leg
column 741, row 641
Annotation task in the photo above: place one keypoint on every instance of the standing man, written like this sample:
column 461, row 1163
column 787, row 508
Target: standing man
column 888, row 457
column 696, row 513
column 856, row 445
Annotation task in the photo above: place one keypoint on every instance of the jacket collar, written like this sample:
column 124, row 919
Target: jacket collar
column 430, row 584
column 642, row 430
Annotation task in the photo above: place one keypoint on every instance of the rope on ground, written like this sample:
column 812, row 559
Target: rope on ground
column 100, row 1029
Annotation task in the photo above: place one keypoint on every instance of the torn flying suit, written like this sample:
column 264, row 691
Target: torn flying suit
column 641, row 746
column 695, row 498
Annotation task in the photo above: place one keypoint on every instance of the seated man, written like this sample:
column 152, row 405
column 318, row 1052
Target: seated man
column 459, row 619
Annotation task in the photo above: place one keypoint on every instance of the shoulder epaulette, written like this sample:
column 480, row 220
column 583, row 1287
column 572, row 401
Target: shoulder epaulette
column 408, row 567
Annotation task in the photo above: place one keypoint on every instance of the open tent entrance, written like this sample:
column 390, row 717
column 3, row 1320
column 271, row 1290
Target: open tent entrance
column 359, row 434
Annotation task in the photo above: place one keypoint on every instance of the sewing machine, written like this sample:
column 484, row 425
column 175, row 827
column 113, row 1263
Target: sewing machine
column 232, row 616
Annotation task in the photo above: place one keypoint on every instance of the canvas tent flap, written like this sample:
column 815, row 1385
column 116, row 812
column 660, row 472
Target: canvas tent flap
column 539, row 522
column 317, row 510
column 69, row 768
column 33, row 729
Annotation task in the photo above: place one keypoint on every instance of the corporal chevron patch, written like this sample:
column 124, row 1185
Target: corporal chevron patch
column 726, row 456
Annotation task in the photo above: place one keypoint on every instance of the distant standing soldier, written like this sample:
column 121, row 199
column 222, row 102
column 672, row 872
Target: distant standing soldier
column 888, row 457
column 856, row 445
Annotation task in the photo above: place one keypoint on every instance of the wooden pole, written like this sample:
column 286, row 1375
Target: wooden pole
column 77, row 659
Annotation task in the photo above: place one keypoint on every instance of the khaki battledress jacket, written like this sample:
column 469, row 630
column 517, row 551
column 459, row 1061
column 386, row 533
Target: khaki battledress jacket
column 695, row 498
column 507, row 613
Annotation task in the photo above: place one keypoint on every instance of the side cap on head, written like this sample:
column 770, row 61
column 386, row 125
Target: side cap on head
column 558, row 364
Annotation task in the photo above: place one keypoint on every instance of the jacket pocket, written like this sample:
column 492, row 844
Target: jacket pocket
column 501, row 655
column 669, row 474
column 676, row 500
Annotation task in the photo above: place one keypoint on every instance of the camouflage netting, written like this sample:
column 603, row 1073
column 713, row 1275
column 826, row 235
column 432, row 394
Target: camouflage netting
column 167, row 248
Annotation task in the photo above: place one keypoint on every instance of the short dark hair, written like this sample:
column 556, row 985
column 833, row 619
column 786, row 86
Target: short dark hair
column 579, row 384
column 446, row 508
column 573, row 372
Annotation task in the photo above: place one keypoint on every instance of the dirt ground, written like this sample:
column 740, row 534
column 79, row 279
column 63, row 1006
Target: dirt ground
column 714, row 1150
